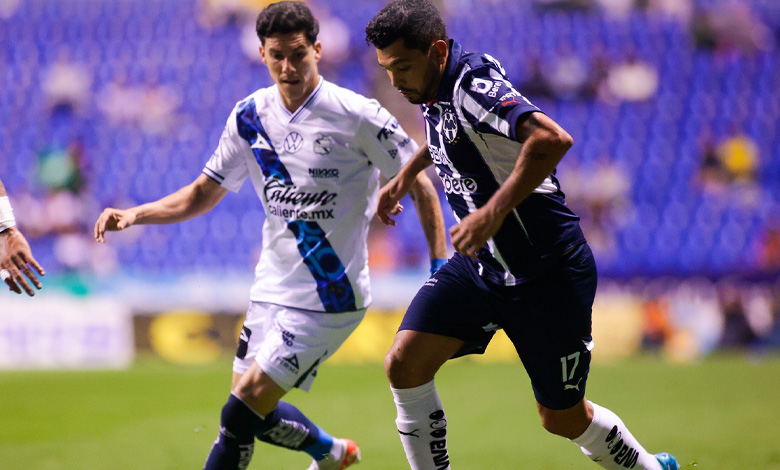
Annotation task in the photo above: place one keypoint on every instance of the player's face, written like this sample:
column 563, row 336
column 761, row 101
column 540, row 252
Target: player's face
column 292, row 62
column 416, row 74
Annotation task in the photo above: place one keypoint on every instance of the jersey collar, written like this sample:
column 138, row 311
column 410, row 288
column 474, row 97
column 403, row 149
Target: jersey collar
column 445, row 91
column 309, row 100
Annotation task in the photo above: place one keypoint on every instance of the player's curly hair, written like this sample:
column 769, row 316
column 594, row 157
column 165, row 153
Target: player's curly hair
column 417, row 22
column 287, row 17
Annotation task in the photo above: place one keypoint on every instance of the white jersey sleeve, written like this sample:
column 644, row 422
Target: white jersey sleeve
column 228, row 164
column 383, row 140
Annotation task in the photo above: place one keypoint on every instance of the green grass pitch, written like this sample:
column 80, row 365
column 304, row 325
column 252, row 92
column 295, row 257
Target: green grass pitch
column 723, row 412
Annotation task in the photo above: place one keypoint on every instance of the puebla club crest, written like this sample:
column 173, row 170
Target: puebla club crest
column 323, row 144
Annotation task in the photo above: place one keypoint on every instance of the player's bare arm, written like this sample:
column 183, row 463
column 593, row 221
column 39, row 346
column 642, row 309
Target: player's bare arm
column 544, row 145
column 193, row 200
column 426, row 202
column 400, row 185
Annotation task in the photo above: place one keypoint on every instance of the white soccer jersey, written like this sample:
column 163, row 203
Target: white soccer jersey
column 316, row 172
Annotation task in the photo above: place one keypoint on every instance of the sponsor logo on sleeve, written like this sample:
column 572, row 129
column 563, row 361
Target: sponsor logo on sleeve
column 480, row 85
column 389, row 129
column 513, row 97
column 486, row 87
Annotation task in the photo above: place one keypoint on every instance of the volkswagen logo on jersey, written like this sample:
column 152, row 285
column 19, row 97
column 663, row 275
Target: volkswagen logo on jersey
column 449, row 126
column 293, row 142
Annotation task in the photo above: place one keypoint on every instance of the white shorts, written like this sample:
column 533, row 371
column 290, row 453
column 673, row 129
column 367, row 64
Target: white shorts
column 289, row 344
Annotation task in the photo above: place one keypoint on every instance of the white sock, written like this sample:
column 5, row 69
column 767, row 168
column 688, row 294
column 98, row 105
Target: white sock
column 422, row 427
column 608, row 442
column 337, row 450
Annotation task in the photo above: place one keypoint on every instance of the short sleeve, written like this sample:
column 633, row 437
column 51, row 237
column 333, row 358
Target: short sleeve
column 228, row 164
column 383, row 140
column 489, row 101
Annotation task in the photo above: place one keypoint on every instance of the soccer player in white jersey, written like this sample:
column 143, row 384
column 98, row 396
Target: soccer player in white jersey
column 522, row 262
column 16, row 259
column 314, row 153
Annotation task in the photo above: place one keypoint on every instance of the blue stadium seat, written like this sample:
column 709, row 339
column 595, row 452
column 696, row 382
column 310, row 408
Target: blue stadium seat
column 655, row 144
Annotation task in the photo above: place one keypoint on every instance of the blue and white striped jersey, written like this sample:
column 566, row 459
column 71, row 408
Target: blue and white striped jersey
column 316, row 172
column 470, row 128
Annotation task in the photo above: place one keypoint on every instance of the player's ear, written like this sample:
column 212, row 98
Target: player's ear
column 262, row 54
column 317, row 51
column 441, row 50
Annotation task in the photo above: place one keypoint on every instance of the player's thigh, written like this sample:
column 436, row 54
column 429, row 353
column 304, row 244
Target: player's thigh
column 298, row 341
column 453, row 303
column 257, row 325
column 552, row 330
column 235, row 379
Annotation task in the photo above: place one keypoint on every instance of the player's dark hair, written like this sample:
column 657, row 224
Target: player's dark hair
column 287, row 17
column 417, row 22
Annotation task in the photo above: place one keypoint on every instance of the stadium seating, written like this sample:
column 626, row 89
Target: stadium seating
column 671, row 226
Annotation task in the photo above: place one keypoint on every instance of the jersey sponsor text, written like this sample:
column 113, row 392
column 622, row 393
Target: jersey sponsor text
column 277, row 191
column 458, row 185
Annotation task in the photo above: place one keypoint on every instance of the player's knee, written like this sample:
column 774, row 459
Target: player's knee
column 400, row 371
column 393, row 367
column 246, row 390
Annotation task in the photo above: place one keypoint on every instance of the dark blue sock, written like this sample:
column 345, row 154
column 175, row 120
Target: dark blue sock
column 287, row 427
column 236, row 441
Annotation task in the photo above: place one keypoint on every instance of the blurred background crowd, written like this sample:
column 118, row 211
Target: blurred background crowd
column 673, row 106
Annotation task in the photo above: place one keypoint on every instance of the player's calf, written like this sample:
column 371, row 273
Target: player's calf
column 422, row 427
column 236, row 441
column 569, row 423
column 285, row 427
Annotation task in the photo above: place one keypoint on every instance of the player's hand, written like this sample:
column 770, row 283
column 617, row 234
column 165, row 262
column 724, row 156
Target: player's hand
column 16, row 261
column 388, row 204
column 112, row 220
column 474, row 230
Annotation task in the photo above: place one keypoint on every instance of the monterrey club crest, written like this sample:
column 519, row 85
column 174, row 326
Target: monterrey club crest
column 449, row 125
column 293, row 142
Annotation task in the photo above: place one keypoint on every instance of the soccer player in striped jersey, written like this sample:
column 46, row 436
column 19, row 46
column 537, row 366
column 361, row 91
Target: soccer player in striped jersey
column 314, row 153
column 522, row 262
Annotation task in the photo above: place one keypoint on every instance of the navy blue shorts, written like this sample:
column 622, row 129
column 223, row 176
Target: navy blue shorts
column 548, row 319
